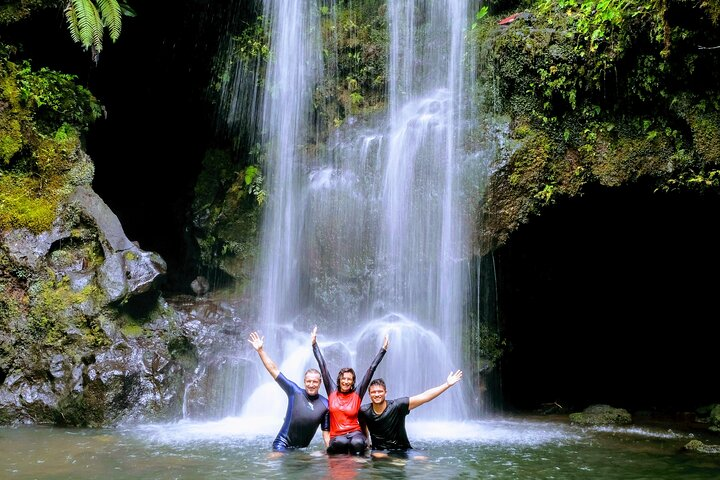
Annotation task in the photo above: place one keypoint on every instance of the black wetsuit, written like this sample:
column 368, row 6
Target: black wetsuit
column 304, row 414
column 387, row 430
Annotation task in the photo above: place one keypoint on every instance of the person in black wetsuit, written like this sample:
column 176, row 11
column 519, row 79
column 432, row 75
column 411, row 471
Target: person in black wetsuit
column 306, row 409
column 385, row 419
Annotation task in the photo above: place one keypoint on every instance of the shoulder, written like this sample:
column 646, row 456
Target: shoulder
column 402, row 404
column 284, row 381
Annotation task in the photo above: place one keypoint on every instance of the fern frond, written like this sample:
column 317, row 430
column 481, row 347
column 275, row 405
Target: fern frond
column 127, row 10
column 111, row 17
column 98, row 30
column 72, row 22
column 87, row 22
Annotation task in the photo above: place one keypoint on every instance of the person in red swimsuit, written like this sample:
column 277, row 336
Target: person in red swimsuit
column 344, row 401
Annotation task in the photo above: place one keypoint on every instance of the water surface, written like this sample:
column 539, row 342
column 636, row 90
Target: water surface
column 233, row 448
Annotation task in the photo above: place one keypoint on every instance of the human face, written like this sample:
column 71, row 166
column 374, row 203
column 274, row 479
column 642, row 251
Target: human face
column 346, row 382
column 377, row 394
column 312, row 383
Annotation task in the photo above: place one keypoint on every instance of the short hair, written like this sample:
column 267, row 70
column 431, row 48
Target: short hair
column 340, row 374
column 313, row 370
column 378, row 381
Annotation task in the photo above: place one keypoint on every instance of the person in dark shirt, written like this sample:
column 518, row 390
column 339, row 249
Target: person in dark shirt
column 344, row 399
column 306, row 409
column 385, row 419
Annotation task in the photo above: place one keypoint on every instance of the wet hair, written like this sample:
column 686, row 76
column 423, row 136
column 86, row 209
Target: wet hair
column 340, row 374
column 313, row 370
column 378, row 381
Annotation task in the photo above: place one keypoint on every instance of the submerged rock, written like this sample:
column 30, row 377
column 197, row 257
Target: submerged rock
column 601, row 415
column 698, row 446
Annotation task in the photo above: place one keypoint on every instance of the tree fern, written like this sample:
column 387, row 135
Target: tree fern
column 88, row 19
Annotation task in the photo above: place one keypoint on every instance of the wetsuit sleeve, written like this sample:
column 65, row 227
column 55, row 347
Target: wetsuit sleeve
column 370, row 372
column 287, row 386
column 329, row 384
column 325, row 423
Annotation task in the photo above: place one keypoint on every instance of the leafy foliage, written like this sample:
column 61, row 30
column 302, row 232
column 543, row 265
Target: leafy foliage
column 42, row 115
column 87, row 21
column 56, row 98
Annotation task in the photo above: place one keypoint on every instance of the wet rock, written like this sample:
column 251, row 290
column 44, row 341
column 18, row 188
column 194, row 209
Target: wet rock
column 200, row 286
column 601, row 415
column 698, row 446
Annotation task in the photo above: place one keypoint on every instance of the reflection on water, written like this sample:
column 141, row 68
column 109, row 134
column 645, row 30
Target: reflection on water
column 238, row 448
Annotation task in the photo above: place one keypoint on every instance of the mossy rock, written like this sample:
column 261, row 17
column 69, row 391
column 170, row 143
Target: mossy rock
column 698, row 446
column 601, row 415
column 715, row 418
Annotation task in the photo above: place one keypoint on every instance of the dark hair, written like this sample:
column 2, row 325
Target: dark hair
column 378, row 381
column 340, row 374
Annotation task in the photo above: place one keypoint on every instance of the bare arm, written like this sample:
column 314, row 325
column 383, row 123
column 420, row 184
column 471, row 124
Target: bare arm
column 427, row 395
column 326, row 438
column 257, row 343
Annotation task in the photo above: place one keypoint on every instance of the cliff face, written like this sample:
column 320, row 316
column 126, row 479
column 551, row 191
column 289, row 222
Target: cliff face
column 605, row 99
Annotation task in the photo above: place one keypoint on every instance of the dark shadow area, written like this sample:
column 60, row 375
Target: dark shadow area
column 154, row 84
column 609, row 298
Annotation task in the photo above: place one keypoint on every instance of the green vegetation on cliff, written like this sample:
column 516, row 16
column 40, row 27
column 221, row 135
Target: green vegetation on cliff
column 42, row 116
column 599, row 91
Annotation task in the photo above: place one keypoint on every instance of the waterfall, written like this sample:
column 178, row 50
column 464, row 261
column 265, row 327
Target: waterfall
column 370, row 234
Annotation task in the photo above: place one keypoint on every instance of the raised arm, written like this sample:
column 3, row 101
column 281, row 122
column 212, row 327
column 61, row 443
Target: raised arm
column 329, row 384
column 365, row 383
column 257, row 342
column 427, row 395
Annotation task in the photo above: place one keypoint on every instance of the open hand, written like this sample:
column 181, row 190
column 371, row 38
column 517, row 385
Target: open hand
column 386, row 343
column 256, row 341
column 313, row 336
column 453, row 378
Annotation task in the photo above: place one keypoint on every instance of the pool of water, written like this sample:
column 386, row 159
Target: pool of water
column 499, row 448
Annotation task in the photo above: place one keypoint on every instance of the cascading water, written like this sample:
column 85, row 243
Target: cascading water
column 370, row 236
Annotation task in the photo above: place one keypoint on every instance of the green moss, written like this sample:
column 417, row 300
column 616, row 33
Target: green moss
column 132, row 330
column 54, row 306
column 42, row 115
column 11, row 140
column 24, row 203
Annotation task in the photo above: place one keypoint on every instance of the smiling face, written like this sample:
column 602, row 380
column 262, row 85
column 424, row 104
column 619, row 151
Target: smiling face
column 312, row 383
column 377, row 394
column 347, row 382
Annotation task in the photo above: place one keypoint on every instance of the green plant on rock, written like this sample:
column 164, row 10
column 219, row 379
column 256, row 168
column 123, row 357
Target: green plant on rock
column 253, row 42
column 55, row 98
column 87, row 21
column 254, row 183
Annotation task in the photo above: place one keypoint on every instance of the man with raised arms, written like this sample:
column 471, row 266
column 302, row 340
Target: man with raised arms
column 306, row 409
column 385, row 419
